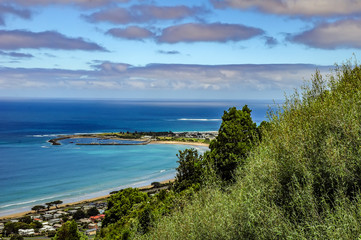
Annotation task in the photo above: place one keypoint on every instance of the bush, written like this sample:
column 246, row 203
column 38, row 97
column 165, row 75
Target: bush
column 303, row 181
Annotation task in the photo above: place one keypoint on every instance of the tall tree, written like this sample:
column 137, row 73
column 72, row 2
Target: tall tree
column 236, row 137
column 189, row 170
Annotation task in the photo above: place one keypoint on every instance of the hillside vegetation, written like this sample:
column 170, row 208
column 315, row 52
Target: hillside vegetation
column 301, row 182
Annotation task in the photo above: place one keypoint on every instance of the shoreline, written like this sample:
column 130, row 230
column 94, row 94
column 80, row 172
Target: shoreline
column 80, row 202
column 180, row 143
column 138, row 139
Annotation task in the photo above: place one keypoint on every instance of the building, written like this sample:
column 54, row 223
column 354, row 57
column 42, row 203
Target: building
column 26, row 232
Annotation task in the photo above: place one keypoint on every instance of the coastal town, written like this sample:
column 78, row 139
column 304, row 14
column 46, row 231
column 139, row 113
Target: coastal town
column 43, row 223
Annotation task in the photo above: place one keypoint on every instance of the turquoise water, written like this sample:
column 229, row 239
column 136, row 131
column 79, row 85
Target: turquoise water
column 32, row 171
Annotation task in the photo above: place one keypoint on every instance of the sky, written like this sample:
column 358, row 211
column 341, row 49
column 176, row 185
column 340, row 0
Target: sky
column 149, row 49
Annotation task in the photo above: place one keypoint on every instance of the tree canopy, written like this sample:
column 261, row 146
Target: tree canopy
column 189, row 170
column 69, row 231
column 236, row 137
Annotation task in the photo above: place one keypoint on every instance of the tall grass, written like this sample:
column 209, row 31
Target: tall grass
column 302, row 182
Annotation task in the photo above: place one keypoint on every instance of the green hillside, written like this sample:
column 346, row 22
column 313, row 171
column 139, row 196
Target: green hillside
column 301, row 181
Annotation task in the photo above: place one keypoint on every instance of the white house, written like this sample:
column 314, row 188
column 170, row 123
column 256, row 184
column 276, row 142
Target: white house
column 26, row 232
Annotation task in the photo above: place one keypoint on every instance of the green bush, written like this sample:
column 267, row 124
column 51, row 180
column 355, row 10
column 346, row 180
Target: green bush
column 302, row 181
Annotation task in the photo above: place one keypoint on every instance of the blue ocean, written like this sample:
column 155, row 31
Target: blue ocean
column 33, row 172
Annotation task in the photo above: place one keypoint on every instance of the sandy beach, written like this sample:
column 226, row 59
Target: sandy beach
column 180, row 143
column 18, row 215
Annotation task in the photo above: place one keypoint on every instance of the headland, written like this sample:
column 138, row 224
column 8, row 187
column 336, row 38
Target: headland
column 136, row 138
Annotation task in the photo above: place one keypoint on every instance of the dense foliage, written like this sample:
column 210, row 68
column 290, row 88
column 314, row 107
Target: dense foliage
column 190, row 169
column 302, row 181
column 132, row 213
column 69, row 231
column 236, row 137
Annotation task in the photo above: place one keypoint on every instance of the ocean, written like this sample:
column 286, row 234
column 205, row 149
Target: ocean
column 33, row 172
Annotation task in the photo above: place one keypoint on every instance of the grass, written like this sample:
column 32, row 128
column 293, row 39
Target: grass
column 302, row 182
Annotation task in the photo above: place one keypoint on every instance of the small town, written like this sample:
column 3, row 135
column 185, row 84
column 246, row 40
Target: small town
column 43, row 221
column 88, row 217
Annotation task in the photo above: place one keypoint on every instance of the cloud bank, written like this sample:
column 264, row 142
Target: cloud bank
column 131, row 33
column 20, row 39
column 9, row 10
column 215, row 32
column 167, row 78
column 82, row 3
column 340, row 34
column 305, row 8
column 16, row 54
column 144, row 13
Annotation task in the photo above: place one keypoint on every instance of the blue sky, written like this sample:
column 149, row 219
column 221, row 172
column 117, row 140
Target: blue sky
column 140, row 49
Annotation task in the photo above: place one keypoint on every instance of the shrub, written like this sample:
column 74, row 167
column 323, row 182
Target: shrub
column 303, row 181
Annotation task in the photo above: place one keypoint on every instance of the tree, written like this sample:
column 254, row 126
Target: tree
column 189, row 170
column 144, row 220
column 122, row 203
column 57, row 202
column 49, row 204
column 92, row 212
column 79, row 214
column 16, row 237
column 236, row 137
column 26, row 219
column 262, row 128
column 37, row 208
column 69, row 231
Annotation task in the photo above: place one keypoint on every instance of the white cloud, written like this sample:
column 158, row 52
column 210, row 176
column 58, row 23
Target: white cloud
column 230, row 80
column 340, row 34
column 307, row 8
column 82, row 3
column 213, row 32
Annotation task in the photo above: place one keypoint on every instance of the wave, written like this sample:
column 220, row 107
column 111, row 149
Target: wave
column 200, row 119
column 45, row 135
column 28, row 202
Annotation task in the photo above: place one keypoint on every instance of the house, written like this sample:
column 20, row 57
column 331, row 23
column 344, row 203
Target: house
column 85, row 220
column 54, row 221
column 91, row 232
column 47, row 228
column 26, row 232
column 47, row 216
column 97, row 218
column 57, row 215
column 62, row 213
column 72, row 211
column 92, row 225
column 57, row 225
